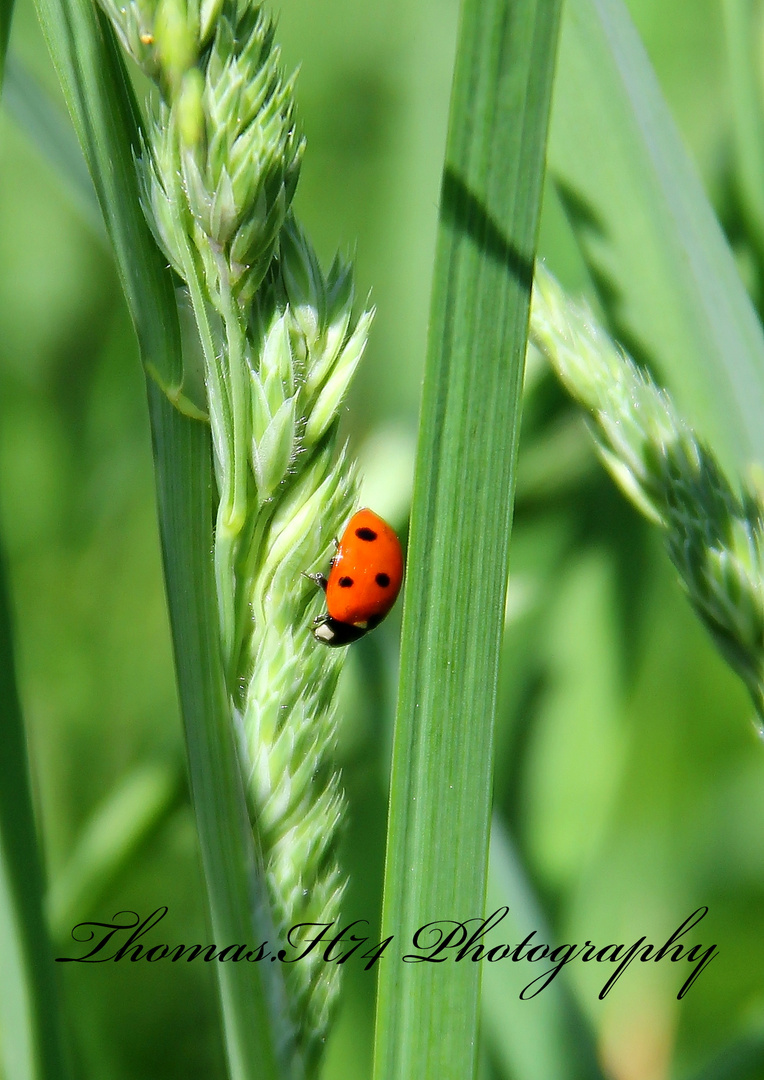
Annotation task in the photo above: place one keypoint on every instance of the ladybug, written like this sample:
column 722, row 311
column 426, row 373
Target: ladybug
column 364, row 580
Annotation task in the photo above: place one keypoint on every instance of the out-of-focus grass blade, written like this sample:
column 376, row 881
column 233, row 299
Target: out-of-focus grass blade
column 30, row 1044
column 741, row 19
column 31, row 108
column 667, row 277
column 97, row 92
column 741, row 1060
column 545, row 1037
column 427, row 1013
column 6, row 15
column 126, row 819
column 98, row 95
column 30, row 1034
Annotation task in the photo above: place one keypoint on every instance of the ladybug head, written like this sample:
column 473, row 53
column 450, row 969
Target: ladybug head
column 331, row 631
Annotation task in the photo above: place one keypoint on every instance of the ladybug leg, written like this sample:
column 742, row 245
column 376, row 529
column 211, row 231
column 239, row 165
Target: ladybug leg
column 317, row 579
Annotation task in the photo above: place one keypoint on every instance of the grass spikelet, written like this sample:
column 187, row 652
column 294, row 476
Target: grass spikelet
column 714, row 528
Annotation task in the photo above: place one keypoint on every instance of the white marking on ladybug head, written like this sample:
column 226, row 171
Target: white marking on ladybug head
column 324, row 633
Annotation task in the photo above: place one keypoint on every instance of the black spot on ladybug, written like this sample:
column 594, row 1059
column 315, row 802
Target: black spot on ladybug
column 365, row 534
column 382, row 580
column 345, row 582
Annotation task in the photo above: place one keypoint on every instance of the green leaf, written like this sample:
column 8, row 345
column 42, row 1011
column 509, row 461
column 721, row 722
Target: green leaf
column 30, row 1041
column 427, row 1013
column 666, row 274
column 96, row 87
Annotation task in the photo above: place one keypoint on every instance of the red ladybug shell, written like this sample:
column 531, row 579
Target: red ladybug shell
column 366, row 573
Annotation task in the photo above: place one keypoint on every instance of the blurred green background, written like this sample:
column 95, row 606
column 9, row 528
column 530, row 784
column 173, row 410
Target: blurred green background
column 627, row 766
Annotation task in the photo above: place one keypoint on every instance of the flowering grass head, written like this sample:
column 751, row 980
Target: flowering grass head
column 280, row 343
column 714, row 529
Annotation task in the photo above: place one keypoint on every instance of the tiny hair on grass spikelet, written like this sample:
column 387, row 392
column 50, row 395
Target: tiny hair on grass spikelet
column 714, row 530
column 218, row 168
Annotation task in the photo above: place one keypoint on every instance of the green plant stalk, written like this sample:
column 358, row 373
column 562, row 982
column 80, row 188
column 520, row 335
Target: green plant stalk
column 232, row 511
column 96, row 87
column 427, row 1014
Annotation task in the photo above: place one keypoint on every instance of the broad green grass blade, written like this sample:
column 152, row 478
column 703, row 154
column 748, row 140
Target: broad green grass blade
column 31, row 108
column 97, row 93
column 30, row 1043
column 427, row 1013
column 668, row 278
column 545, row 1037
